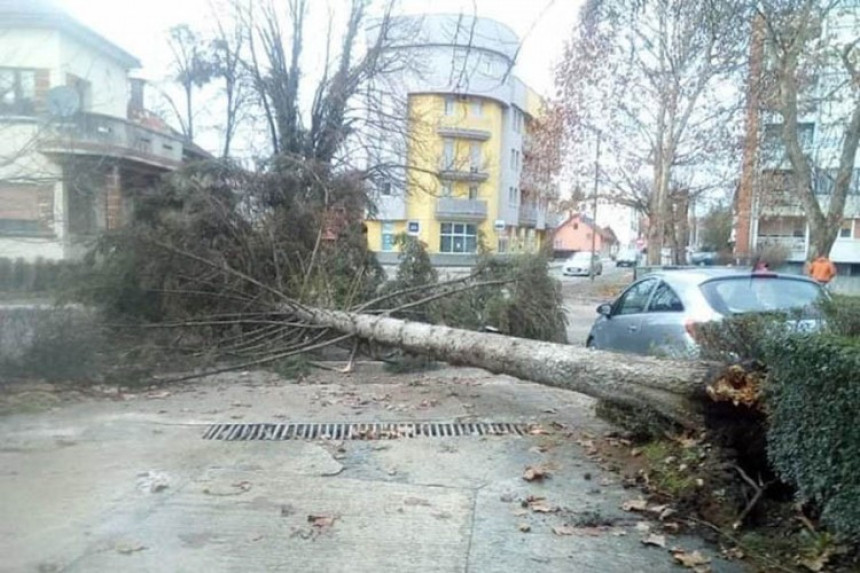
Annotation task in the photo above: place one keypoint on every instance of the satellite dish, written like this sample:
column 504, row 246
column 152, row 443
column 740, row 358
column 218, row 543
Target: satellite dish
column 63, row 101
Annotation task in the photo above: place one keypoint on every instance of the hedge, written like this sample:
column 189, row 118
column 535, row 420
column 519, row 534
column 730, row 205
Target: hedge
column 813, row 399
column 19, row 275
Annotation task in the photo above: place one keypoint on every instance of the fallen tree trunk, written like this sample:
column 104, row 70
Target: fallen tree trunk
column 675, row 389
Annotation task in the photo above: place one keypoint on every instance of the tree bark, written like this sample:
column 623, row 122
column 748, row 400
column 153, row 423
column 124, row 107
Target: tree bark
column 675, row 389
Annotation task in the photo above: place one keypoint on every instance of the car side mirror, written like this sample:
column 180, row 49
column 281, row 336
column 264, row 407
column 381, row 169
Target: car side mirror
column 605, row 309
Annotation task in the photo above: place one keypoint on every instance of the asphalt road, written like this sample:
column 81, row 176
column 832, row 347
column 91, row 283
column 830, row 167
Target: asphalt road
column 125, row 482
column 582, row 296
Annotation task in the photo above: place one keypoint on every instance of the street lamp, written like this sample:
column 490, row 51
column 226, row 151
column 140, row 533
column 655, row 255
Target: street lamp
column 594, row 207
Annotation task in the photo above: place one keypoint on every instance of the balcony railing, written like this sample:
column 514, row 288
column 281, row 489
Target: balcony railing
column 94, row 134
column 461, row 209
column 528, row 216
column 463, row 132
column 455, row 172
column 795, row 246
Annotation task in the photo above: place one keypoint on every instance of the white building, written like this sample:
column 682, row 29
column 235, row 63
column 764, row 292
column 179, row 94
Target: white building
column 75, row 141
column 768, row 211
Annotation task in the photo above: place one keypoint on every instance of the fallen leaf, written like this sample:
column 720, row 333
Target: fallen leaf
column 816, row 563
column 690, row 560
column 543, row 507
column 537, row 430
column 666, row 513
column 634, row 505
column 655, row 540
column 733, row 553
column 538, row 449
column 520, row 512
column 533, row 473
column 564, row 529
column 643, row 526
column 672, row 526
column 129, row 547
column 524, row 527
column 321, row 520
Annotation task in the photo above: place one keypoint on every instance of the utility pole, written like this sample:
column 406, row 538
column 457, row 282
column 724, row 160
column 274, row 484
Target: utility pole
column 594, row 206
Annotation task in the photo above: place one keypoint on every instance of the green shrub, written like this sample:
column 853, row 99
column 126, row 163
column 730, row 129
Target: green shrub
column 843, row 315
column 814, row 435
column 53, row 344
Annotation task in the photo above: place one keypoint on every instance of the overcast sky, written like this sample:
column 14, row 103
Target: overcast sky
column 140, row 27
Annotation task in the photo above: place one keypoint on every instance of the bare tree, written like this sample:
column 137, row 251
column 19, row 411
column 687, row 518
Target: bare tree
column 227, row 52
column 193, row 69
column 810, row 89
column 654, row 78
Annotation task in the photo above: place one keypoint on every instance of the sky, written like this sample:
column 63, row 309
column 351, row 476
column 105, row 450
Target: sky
column 140, row 27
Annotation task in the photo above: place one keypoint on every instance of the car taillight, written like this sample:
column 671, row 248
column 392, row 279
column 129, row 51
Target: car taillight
column 691, row 326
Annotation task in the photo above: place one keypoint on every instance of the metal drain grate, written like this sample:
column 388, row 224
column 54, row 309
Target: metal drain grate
column 358, row 431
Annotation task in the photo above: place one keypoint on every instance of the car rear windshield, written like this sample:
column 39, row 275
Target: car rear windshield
column 737, row 295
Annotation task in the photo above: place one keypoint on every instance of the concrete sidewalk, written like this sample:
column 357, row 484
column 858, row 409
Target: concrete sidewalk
column 129, row 485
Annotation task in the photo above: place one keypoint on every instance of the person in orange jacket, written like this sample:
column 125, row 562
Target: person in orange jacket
column 822, row 270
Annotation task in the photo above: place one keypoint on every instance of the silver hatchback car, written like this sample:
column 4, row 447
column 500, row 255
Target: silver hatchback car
column 658, row 314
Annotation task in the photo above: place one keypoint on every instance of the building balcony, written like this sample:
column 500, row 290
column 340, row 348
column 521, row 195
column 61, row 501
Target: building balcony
column 795, row 247
column 528, row 216
column 463, row 132
column 449, row 208
column 455, row 173
column 89, row 134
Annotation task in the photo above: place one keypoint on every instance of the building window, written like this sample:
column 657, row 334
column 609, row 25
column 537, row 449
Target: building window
column 477, row 107
column 458, row 238
column 475, row 156
column 387, row 236
column 385, row 188
column 448, row 150
column 449, row 105
column 473, row 192
column 845, row 232
column 517, row 120
column 447, row 189
column 17, row 91
column 26, row 210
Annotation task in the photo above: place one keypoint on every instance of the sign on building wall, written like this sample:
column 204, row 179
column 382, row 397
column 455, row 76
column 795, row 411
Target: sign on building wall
column 413, row 228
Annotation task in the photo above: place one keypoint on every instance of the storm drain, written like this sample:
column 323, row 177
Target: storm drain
column 359, row 431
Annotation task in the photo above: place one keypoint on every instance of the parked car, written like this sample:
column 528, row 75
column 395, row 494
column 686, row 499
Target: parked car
column 579, row 264
column 659, row 313
column 704, row 258
column 627, row 258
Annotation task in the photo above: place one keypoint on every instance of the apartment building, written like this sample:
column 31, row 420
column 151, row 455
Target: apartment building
column 76, row 143
column 466, row 182
column 767, row 211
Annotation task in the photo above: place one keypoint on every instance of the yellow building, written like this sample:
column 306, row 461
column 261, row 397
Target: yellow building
column 464, row 187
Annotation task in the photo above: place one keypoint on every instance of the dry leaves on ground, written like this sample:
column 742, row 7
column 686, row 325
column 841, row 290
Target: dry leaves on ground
column 536, row 472
column 655, row 540
column 321, row 521
column 525, row 527
column 539, row 505
column 129, row 547
column 564, row 529
column 635, row 505
column 695, row 560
